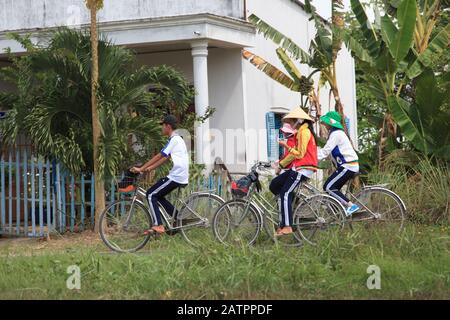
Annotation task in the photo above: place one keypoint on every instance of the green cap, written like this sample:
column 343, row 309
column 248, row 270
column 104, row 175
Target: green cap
column 333, row 119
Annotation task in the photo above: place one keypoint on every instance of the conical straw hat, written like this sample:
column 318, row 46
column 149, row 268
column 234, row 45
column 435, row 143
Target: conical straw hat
column 298, row 113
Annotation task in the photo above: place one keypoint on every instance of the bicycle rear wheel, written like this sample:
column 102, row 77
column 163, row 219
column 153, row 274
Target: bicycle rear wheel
column 195, row 217
column 315, row 214
column 122, row 226
column 387, row 207
column 237, row 222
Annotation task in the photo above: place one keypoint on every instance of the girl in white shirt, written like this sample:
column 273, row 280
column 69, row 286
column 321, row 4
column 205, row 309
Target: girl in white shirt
column 344, row 158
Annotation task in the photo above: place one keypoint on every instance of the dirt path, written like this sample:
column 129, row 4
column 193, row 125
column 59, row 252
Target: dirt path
column 28, row 246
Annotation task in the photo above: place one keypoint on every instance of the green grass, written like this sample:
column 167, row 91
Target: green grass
column 414, row 265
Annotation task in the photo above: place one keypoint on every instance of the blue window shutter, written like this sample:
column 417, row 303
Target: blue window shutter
column 278, row 125
column 272, row 134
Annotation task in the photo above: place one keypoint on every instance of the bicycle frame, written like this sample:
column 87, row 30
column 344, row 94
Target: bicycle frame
column 266, row 208
column 168, row 219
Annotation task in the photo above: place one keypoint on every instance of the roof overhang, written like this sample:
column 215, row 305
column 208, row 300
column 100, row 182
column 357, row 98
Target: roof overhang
column 219, row 31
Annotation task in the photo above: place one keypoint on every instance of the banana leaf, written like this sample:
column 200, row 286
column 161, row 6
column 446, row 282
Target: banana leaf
column 289, row 65
column 406, row 16
column 280, row 39
column 357, row 49
column 436, row 46
column 366, row 27
column 407, row 118
column 270, row 70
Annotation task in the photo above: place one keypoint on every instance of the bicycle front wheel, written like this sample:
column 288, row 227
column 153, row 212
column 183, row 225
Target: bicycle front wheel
column 315, row 214
column 122, row 226
column 237, row 222
column 195, row 217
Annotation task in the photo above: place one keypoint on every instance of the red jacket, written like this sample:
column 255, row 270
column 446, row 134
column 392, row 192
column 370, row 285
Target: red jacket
column 291, row 142
column 304, row 154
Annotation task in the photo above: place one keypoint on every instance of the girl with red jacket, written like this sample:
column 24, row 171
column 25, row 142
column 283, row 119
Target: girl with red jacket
column 301, row 163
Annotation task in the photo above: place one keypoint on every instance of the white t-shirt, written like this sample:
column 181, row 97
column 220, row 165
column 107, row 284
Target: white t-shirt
column 341, row 150
column 176, row 149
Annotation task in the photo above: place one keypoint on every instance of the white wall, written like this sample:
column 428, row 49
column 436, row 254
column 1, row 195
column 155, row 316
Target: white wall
column 225, row 95
column 30, row 14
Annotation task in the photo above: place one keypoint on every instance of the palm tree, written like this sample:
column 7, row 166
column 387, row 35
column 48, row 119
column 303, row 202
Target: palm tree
column 53, row 99
column 94, row 6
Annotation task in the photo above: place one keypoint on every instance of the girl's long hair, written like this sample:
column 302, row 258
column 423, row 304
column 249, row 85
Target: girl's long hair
column 311, row 128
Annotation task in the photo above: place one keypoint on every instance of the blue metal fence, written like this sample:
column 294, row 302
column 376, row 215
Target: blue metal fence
column 38, row 197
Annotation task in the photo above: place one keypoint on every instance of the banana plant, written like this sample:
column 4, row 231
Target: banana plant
column 321, row 55
column 422, row 121
column 391, row 60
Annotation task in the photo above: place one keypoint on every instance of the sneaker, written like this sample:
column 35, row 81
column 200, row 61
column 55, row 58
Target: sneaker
column 351, row 210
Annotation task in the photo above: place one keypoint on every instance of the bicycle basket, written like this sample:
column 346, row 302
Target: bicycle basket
column 128, row 179
column 241, row 187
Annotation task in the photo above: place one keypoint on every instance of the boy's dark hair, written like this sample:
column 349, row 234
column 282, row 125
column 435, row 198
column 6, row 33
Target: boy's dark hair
column 171, row 121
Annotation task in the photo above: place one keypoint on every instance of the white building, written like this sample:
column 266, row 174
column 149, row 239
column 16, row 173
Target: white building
column 203, row 39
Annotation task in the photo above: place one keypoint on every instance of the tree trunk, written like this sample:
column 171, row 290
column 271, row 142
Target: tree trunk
column 99, row 182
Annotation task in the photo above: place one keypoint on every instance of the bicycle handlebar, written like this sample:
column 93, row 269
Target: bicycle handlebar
column 261, row 164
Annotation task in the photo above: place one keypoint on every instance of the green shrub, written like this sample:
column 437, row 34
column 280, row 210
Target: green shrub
column 422, row 183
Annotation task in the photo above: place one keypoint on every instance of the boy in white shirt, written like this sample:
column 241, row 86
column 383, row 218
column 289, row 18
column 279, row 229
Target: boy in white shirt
column 344, row 158
column 178, row 176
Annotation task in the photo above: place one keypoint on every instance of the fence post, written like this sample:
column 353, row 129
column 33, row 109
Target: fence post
column 48, row 193
column 113, row 191
column 72, row 205
column 2, row 200
column 33, row 195
column 17, row 192
column 25, row 192
column 219, row 185
column 63, row 197
column 58, row 195
column 10, row 204
column 83, row 197
column 41, row 198
column 92, row 200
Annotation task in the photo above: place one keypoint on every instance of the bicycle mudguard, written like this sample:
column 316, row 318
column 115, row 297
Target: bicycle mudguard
column 382, row 185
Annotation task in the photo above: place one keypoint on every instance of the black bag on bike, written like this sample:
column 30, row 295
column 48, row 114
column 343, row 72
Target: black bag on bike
column 241, row 187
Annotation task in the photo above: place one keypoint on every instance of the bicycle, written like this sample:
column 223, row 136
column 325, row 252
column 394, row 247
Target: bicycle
column 123, row 223
column 377, row 204
column 241, row 220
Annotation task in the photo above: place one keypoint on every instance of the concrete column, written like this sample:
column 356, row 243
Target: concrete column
column 202, row 141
